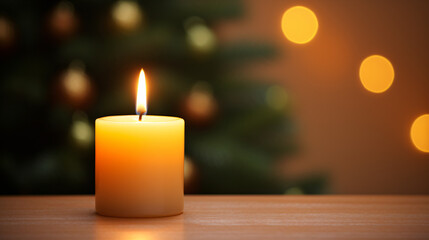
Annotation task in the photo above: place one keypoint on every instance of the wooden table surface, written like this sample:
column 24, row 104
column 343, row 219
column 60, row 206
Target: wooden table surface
column 223, row 217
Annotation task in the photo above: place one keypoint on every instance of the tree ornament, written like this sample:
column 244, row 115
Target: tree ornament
column 199, row 36
column 127, row 15
column 63, row 22
column 7, row 33
column 76, row 85
column 200, row 105
column 81, row 131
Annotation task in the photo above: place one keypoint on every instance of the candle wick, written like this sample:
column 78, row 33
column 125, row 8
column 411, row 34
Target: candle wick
column 140, row 116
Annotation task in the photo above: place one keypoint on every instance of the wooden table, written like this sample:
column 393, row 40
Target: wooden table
column 223, row 217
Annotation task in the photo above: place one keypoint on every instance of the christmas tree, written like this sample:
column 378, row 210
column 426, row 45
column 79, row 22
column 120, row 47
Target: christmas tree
column 64, row 64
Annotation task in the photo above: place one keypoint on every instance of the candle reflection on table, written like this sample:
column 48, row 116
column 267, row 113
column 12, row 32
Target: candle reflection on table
column 139, row 228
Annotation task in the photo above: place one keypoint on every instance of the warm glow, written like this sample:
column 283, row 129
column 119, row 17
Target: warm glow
column 420, row 133
column 299, row 24
column 136, row 235
column 376, row 73
column 141, row 104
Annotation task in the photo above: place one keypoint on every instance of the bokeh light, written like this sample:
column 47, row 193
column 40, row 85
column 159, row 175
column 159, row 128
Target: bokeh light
column 76, row 83
column 420, row 133
column 188, row 170
column 376, row 73
column 299, row 24
column 63, row 21
column 201, row 103
column 7, row 32
column 127, row 15
column 82, row 131
column 199, row 36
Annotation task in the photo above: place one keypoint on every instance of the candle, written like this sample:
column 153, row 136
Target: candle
column 139, row 163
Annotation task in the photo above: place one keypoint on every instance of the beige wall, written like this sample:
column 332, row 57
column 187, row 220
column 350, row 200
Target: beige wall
column 360, row 138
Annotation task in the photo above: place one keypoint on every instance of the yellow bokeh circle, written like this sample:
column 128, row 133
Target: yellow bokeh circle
column 299, row 24
column 420, row 133
column 376, row 73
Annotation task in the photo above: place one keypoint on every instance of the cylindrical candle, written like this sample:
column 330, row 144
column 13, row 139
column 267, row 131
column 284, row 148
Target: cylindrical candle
column 139, row 166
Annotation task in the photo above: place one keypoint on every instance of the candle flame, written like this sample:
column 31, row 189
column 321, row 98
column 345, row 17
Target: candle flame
column 141, row 103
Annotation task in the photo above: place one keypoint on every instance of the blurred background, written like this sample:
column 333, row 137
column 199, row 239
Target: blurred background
column 328, row 97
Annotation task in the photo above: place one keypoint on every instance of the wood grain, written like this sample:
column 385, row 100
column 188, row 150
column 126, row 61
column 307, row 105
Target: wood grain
column 223, row 217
